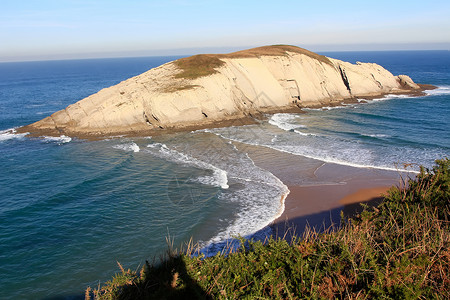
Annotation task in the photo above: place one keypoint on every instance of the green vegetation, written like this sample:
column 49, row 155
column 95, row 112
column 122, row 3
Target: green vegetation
column 206, row 64
column 398, row 250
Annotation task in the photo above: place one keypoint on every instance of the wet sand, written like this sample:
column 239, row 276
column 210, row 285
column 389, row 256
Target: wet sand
column 321, row 206
column 320, row 191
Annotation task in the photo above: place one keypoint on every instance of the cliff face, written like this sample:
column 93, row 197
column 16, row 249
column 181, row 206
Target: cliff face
column 206, row 89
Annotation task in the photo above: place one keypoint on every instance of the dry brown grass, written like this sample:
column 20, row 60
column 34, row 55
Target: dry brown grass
column 196, row 66
column 276, row 50
column 180, row 87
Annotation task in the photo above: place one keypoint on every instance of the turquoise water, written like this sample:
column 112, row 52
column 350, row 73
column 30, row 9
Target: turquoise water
column 69, row 209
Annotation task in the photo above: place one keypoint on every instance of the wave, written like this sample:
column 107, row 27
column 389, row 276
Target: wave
column 128, row 147
column 58, row 139
column 10, row 134
column 326, row 157
column 356, row 157
column 219, row 177
column 285, row 121
column 252, row 197
column 385, row 98
column 303, row 133
column 377, row 135
column 441, row 90
column 337, row 107
column 344, row 105
column 374, row 100
column 262, row 193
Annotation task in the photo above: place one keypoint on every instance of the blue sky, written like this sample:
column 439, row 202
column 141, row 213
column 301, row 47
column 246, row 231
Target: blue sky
column 44, row 29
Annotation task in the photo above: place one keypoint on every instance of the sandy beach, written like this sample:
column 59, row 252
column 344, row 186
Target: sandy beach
column 320, row 191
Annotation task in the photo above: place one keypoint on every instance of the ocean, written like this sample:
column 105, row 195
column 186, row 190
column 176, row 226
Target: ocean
column 70, row 208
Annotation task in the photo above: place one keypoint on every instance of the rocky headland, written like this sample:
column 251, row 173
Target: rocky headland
column 210, row 90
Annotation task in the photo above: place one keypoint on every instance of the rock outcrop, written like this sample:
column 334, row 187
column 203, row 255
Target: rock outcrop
column 203, row 90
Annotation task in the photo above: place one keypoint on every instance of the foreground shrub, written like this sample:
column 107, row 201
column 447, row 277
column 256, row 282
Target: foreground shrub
column 398, row 250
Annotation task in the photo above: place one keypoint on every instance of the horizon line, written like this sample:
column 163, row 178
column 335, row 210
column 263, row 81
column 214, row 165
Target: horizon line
column 183, row 52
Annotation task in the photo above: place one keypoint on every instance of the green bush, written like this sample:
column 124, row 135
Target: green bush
column 398, row 250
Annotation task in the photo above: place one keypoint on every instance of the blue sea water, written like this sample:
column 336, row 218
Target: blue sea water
column 69, row 208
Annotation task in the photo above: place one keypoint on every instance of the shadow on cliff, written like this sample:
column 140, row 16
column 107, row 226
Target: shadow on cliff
column 167, row 280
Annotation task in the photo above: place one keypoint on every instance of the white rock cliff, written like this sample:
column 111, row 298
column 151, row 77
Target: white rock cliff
column 203, row 90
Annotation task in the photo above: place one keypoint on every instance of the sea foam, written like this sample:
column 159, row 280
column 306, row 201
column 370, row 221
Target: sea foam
column 441, row 90
column 260, row 202
column 219, row 177
column 323, row 148
column 10, row 134
column 254, row 200
column 128, row 147
column 285, row 121
column 58, row 139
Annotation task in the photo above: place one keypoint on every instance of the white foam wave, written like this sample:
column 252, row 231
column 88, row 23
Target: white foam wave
column 335, row 107
column 285, row 121
column 390, row 97
column 257, row 210
column 379, row 99
column 377, row 135
column 330, row 107
column 10, row 134
column 219, row 177
column 322, row 155
column 441, row 90
column 128, row 147
column 255, row 199
column 303, row 133
column 327, row 157
column 311, row 109
column 58, row 139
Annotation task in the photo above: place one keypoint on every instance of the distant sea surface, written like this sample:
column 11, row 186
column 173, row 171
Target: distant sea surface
column 70, row 208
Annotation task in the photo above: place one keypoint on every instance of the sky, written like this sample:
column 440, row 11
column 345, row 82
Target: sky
column 62, row 29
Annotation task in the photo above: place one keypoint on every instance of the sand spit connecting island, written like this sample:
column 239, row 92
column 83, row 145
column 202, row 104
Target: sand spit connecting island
column 213, row 90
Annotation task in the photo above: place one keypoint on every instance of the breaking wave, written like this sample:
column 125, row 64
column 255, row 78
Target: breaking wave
column 10, row 134
column 441, row 90
column 219, row 178
column 57, row 139
column 128, row 147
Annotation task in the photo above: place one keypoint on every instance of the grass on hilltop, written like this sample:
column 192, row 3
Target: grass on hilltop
column 196, row 66
column 398, row 250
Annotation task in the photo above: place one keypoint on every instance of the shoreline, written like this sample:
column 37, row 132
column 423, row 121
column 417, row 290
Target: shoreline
column 323, row 191
column 318, row 191
column 320, row 206
column 321, row 217
column 250, row 117
column 313, row 203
